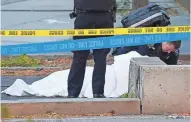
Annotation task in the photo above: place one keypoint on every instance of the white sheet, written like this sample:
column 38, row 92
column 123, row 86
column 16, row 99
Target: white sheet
column 55, row 84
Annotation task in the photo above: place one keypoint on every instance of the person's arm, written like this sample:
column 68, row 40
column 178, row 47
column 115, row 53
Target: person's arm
column 143, row 50
column 173, row 59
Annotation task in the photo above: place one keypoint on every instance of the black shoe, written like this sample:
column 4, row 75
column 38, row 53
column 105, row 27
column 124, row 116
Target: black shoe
column 99, row 96
column 71, row 97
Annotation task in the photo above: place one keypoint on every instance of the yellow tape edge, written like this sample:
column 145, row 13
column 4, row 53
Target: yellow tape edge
column 96, row 32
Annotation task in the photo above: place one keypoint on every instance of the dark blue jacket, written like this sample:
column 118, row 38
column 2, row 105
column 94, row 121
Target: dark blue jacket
column 153, row 51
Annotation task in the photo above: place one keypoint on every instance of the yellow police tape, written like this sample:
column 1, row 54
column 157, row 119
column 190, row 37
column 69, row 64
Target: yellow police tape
column 95, row 32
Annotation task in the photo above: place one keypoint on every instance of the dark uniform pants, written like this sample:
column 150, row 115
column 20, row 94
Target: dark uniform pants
column 77, row 71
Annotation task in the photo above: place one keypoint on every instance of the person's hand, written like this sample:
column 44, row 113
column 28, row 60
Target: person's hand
column 90, row 56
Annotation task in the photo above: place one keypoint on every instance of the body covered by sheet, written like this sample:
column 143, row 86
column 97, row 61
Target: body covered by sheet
column 55, row 84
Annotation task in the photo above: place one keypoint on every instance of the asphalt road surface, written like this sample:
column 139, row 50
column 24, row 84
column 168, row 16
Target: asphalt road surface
column 110, row 119
column 185, row 4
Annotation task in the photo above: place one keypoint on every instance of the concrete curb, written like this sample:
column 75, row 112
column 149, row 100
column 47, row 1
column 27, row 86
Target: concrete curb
column 134, row 74
column 166, row 89
column 77, row 106
column 162, row 88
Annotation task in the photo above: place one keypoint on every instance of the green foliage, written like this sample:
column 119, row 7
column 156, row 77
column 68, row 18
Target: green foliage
column 23, row 61
column 5, row 113
column 125, row 4
column 30, row 120
column 132, row 95
column 123, row 12
column 126, row 95
column 124, row 7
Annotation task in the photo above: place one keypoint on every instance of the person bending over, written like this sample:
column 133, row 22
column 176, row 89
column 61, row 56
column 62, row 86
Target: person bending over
column 168, row 52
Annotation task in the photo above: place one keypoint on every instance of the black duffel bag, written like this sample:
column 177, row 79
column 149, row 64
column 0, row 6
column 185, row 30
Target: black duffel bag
column 148, row 16
column 151, row 15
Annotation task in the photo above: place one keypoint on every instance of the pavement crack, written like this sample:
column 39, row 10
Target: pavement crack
column 14, row 25
column 4, row 2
